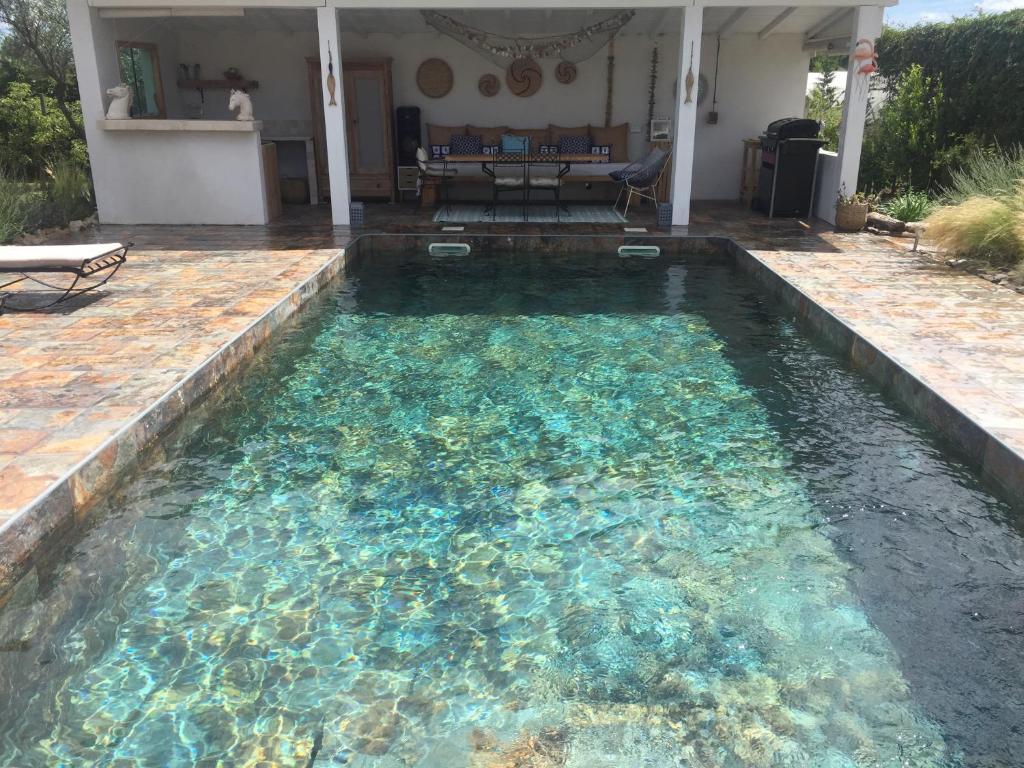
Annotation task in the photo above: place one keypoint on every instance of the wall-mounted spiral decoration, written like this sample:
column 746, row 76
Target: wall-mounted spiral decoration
column 565, row 72
column 489, row 85
column 524, row 77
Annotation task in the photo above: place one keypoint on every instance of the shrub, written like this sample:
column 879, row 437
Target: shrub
column 22, row 207
column 33, row 132
column 911, row 205
column 986, row 172
column 986, row 228
column 69, row 191
column 980, row 60
column 901, row 144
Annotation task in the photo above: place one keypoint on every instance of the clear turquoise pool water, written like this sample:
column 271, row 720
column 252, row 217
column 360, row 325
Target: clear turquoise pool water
column 510, row 511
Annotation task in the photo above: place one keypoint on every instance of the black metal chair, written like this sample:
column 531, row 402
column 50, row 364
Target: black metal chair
column 509, row 173
column 436, row 170
column 546, row 176
column 642, row 179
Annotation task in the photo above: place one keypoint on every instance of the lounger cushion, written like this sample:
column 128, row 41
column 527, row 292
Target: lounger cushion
column 20, row 258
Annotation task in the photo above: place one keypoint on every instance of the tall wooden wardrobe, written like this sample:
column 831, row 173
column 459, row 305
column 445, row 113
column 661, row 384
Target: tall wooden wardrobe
column 369, row 127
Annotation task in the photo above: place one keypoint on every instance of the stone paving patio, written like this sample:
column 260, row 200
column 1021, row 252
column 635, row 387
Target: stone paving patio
column 72, row 379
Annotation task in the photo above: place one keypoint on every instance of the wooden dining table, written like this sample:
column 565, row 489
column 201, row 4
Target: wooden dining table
column 565, row 162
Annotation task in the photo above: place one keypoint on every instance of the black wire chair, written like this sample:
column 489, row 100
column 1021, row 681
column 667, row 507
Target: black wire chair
column 642, row 179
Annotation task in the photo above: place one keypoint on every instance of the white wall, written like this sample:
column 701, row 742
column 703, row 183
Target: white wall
column 758, row 81
column 579, row 103
column 276, row 59
column 826, row 185
column 165, row 177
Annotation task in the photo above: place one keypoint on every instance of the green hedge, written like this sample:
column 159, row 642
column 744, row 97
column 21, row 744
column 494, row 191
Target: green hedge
column 980, row 62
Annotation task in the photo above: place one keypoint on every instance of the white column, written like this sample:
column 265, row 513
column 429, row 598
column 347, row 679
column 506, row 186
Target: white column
column 90, row 36
column 686, row 114
column 334, row 116
column 867, row 25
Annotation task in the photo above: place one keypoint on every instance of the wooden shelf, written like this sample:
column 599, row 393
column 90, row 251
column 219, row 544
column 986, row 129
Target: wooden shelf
column 223, row 85
column 183, row 126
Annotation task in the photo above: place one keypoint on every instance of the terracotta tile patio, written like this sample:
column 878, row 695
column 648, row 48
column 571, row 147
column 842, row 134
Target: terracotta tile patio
column 74, row 378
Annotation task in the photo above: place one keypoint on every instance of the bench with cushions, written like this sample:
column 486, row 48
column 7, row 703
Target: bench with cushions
column 615, row 138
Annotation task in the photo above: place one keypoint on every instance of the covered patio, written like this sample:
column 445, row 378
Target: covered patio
column 344, row 93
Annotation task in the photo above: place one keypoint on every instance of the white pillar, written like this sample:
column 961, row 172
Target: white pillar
column 334, row 115
column 686, row 114
column 89, row 36
column 867, row 25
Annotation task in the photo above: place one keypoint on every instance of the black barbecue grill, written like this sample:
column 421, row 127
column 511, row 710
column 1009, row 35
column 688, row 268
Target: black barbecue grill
column 789, row 162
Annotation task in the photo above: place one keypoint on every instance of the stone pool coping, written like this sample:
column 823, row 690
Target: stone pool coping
column 63, row 508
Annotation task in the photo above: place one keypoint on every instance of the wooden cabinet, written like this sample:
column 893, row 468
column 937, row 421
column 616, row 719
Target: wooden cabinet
column 369, row 127
column 271, row 179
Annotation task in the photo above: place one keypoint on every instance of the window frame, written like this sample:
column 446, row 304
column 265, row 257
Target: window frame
column 154, row 53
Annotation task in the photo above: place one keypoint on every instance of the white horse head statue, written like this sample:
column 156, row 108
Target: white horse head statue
column 120, row 104
column 241, row 101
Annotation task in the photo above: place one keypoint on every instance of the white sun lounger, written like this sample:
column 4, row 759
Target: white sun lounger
column 26, row 262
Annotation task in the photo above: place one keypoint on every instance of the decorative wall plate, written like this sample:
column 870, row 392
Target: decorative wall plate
column 435, row 78
column 489, row 85
column 565, row 72
column 524, row 77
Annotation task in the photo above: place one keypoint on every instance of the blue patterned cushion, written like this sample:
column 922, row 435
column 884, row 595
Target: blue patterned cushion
column 515, row 145
column 549, row 149
column 466, row 145
column 438, row 151
column 574, row 145
column 492, row 149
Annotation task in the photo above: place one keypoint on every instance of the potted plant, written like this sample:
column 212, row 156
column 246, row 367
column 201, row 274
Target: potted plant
column 851, row 211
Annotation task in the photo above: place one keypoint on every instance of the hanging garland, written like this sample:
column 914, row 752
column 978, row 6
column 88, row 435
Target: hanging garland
column 573, row 47
column 651, row 89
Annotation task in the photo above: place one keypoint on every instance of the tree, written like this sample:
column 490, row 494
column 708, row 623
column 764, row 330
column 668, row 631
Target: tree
column 824, row 106
column 39, row 40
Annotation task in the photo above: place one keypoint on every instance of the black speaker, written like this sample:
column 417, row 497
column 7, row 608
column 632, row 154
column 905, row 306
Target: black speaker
column 407, row 134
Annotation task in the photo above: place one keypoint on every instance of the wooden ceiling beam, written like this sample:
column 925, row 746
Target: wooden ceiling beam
column 729, row 23
column 771, row 25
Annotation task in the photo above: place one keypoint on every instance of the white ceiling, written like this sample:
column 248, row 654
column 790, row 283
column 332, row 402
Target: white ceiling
column 648, row 22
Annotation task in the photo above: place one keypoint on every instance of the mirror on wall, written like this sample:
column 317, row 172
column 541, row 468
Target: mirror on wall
column 140, row 69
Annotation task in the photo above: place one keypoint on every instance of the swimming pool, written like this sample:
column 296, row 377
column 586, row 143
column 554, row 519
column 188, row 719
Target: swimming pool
column 571, row 509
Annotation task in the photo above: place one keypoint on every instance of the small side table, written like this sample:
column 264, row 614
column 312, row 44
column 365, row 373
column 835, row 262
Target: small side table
column 751, row 170
column 408, row 176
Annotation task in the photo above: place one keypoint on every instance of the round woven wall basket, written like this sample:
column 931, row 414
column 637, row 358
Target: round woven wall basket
column 435, row 78
column 489, row 85
column 524, row 77
column 565, row 72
